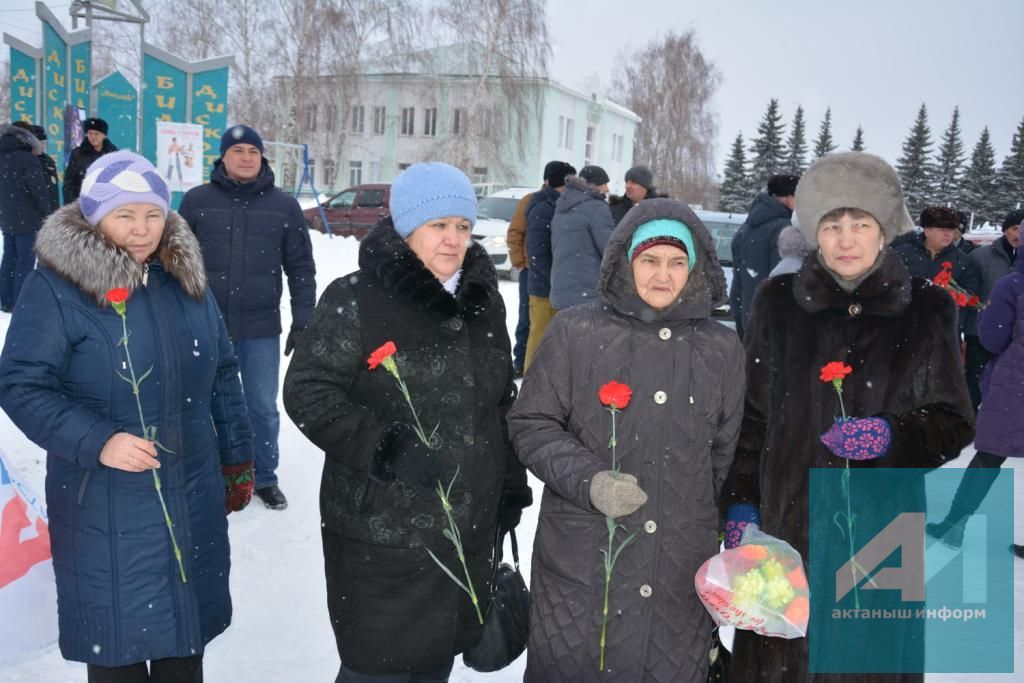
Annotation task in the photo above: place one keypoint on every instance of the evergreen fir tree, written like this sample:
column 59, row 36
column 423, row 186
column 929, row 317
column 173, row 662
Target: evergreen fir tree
column 767, row 149
column 1011, row 173
column 734, row 195
column 796, row 145
column 858, row 141
column 980, row 190
column 949, row 164
column 824, row 144
column 913, row 166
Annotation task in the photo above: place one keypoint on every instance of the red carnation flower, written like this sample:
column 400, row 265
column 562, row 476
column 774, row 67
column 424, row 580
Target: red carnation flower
column 974, row 300
column 118, row 296
column 378, row 356
column 836, row 370
column 616, row 395
column 947, row 265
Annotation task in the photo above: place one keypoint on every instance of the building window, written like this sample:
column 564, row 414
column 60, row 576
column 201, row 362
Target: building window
column 311, row 117
column 561, row 131
column 358, row 112
column 312, row 172
column 378, row 120
column 617, row 142
column 375, row 172
column 355, row 173
column 430, row 121
column 570, row 131
column 459, row 121
column 408, row 121
column 483, row 121
column 588, row 148
column 330, row 117
column 479, row 174
column 330, row 172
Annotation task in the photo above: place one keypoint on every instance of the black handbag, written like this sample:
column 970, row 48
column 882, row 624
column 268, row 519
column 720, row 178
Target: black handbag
column 506, row 616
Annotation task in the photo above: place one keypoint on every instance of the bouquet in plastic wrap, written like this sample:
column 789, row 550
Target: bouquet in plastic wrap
column 758, row 586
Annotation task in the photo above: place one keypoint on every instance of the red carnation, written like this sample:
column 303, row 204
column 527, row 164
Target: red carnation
column 947, row 265
column 378, row 356
column 974, row 300
column 615, row 395
column 961, row 298
column 942, row 279
column 836, row 370
column 118, row 296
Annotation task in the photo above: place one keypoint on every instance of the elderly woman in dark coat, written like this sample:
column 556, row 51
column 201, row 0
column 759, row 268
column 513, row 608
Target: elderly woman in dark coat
column 853, row 301
column 651, row 330
column 424, row 285
column 120, row 594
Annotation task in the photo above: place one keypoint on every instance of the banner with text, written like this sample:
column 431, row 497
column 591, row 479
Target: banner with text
column 117, row 103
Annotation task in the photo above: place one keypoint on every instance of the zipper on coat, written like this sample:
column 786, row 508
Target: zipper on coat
column 83, row 486
column 145, row 274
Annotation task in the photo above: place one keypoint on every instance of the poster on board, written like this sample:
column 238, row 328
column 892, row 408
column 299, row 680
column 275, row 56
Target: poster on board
column 179, row 154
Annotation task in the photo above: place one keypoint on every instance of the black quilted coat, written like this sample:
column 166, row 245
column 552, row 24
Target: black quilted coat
column 392, row 609
column 676, row 436
column 898, row 333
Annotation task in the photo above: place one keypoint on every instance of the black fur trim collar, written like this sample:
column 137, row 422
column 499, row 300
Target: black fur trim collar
column 885, row 292
column 384, row 253
column 81, row 254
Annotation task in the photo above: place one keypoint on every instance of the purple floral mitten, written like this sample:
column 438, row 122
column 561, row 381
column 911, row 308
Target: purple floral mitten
column 737, row 517
column 863, row 438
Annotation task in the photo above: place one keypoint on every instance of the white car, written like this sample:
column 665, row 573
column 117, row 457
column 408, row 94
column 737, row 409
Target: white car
column 493, row 214
column 723, row 227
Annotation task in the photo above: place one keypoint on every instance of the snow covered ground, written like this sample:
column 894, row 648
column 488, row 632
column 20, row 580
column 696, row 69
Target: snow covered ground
column 281, row 632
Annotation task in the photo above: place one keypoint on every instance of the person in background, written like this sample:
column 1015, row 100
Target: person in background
column 793, row 248
column 649, row 327
column 49, row 165
column 965, row 245
column 517, row 254
column 854, row 302
column 538, row 247
column 251, row 231
column 24, row 203
column 580, row 228
column 122, row 600
column 639, row 186
column 755, row 245
column 95, row 145
column 427, row 288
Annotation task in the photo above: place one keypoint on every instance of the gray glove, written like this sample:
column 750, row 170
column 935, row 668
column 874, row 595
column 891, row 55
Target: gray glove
column 616, row 495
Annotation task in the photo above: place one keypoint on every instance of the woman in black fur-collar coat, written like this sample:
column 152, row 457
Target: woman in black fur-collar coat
column 853, row 301
column 425, row 286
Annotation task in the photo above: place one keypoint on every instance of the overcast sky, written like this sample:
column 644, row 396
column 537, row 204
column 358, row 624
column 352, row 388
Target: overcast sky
column 873, row 61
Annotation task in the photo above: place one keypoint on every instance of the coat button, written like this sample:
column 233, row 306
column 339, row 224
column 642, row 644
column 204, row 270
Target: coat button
column 468, row 440
column 455, row 324
column 650, row 526
column 660, row 397
column 646, row 591
column 855, row 310
column 665, row 333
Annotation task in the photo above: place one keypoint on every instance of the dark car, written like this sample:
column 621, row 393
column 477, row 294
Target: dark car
column 353, row 211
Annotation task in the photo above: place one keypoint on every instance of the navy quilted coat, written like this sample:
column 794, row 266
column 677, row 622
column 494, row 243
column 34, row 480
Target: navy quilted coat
column 1001, row 329
column 120, row 598
column 676, row 436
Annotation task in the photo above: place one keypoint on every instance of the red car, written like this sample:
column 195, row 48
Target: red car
column 353, row 211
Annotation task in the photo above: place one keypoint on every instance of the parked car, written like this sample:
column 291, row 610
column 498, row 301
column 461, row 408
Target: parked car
column 353, row 211
column 493, row 214
column 723, row 227
column 487, row 189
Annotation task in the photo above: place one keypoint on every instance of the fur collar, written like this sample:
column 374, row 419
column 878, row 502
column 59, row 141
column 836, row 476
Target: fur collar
column 384, row 253
column 81, row 254
column 20, row 138
column 885, row 292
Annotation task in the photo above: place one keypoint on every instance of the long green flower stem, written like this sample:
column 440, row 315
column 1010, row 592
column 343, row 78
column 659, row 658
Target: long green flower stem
column 452, row 534
column 849, row 509
column 390, row 365
column 149, row 433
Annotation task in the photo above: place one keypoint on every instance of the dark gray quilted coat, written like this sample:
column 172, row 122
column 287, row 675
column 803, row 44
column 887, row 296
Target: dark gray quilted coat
column 676, row 436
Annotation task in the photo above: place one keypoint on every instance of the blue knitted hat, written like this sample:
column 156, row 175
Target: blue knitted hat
column 663, row 231
column 240, row 135
column 427, row 191
column 117, row 179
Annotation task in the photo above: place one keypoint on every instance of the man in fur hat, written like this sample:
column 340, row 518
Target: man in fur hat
column 95, row 145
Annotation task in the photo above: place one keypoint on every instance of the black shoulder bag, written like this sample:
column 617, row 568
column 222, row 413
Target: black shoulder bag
column 507, row 615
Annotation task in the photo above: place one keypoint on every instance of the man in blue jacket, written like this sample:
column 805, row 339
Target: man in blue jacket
column 249, row 231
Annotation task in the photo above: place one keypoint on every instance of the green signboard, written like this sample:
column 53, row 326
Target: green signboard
column 117, row 103
column 55, row 90
column 81, row 66
column 210, row 110
column 24, row 69
column 164, row 97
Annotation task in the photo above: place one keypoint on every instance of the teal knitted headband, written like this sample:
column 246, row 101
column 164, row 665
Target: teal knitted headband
column 664, row 227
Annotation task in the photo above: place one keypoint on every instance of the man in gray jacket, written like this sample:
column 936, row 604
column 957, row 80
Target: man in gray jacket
column 579, row 231
column 993, row 261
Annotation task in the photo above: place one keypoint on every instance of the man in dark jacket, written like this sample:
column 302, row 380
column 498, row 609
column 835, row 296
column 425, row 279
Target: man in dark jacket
column 992, row 261
column 538, row 249
column 580, row 229
column 755, row 246
column 249, row 231
column 924, row 254
column 95, row 145
column 49, row 167
column 639, row 186
column 24, row 203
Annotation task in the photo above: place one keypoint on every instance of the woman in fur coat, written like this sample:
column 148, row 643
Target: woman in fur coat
column 123, row 596
column 853, row 301
column 427, row 287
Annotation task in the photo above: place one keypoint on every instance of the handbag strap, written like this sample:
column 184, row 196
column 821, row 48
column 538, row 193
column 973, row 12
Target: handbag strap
column 499, row 548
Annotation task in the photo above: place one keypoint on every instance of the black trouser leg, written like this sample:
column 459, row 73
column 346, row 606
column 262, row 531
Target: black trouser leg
column 177, row 670
column 977, row 356
column 133, row 673
column 978, row 479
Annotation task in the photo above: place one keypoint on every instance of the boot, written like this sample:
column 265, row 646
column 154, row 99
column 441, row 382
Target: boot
column 1018, row 550
column 975, row 484
column 272, row 497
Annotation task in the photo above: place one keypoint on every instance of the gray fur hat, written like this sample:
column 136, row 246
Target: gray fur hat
column 854, row 180
column 792, row 242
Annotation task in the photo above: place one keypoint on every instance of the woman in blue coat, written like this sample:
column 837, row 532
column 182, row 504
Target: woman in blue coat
column 122, row 597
